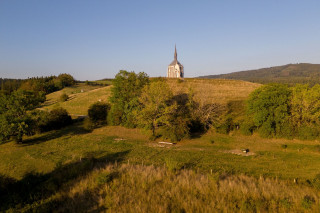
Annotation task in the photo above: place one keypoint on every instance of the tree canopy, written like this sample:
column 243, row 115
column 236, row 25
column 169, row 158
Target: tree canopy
column 127, row 87
column 13, row 112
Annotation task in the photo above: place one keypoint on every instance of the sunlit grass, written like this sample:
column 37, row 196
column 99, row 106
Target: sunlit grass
column 81, row 97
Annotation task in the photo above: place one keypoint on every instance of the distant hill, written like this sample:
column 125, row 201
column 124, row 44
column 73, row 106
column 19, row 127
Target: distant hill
column 289, row 74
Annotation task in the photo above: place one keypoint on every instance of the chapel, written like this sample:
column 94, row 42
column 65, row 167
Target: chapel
column 175, row 69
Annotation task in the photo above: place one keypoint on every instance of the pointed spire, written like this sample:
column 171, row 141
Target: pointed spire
column 175, row 53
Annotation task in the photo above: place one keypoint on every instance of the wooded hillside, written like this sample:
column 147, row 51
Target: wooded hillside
column 290, row 74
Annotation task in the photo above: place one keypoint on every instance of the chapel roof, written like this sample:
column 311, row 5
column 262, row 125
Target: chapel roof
column 175, row 60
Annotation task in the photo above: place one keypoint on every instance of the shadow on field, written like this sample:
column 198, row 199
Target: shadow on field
column 73, row 129
column 36, row 187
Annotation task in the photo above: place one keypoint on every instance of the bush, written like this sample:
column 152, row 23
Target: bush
column 57, row 118
column 308, row 133
column 98, row 112
column 307, row 202
column 88, row 124
column 226, row 126
column 247, row 127
column 64, row 97
column 316, row 182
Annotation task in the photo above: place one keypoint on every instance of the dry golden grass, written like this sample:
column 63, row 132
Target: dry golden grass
column 137, row 188
column 206, row 91
column 80, row 98
column 214, row 90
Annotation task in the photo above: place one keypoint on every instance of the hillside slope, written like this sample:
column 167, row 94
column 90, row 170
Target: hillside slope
column 290, row 74
column 214, row 90
column 81, row 97
column 205, row 90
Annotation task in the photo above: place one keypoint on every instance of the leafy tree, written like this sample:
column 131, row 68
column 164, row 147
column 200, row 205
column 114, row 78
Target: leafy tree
column 305, row 110
column 57, row 119
column 160, row 109
column 98, row 112
column 269, row 107
column 13, row 113
column 127, row 87
column 155, row 105
column 66, row 80
column 305, row 105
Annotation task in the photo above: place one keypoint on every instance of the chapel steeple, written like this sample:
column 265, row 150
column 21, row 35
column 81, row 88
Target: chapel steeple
column 175, row 53
column 175, row 69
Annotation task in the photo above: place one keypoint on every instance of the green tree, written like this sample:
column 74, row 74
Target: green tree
column 66, row 80
column 13, row 113
column 160, row 109
column 269, row 107
column 98, row 112
column 127, row 87
column 305, row 105
column 305, row 110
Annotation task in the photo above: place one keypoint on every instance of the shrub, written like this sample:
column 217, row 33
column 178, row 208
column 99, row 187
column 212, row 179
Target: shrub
column 308, row 133
column 226, row 126
column 247, row 127
column 307, row 202
column 88, row 124
column 98, row 112
column 57, row 118
column 316, row 182
column 64, row 97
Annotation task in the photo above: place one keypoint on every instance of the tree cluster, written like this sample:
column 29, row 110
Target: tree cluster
column 38, row 84
column 19, row 116
column 276, row 110
column 137, row 101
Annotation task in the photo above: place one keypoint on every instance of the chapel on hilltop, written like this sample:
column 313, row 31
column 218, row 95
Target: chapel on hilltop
column 175, row 69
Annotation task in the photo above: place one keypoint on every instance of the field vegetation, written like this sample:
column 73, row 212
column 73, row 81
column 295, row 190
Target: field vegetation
column 75, row 170
column 119, row 158
column 80, row 97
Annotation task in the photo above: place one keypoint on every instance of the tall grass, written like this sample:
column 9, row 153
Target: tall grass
column 137, row 188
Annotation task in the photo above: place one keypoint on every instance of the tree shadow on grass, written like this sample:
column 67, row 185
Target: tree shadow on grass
column 74, row 129
column 36, row 187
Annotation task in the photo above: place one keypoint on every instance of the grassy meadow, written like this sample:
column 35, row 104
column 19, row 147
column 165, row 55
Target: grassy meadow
column 116, row 169
column 81, row 96
column 219, row 91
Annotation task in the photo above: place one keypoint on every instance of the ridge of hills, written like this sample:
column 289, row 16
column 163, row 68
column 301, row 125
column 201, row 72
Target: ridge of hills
column 303, row 73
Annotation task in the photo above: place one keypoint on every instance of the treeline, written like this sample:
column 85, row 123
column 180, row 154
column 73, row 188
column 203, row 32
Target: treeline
column 19, row 116
column 276, row 110
column 273, row 110
column 19, row 100
column 290, row 74
column 37, row 84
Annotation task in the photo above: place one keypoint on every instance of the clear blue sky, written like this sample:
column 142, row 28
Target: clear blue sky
column 94, row 39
